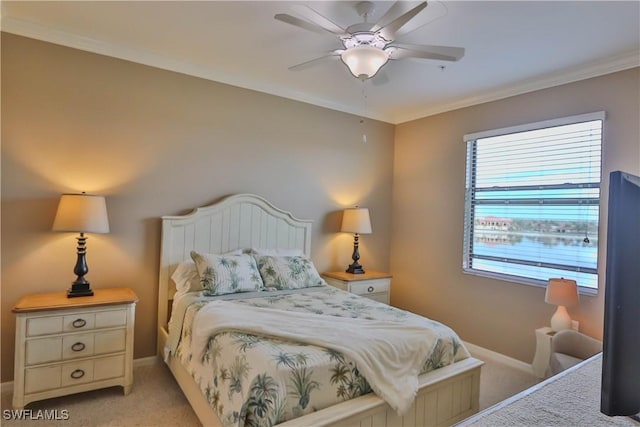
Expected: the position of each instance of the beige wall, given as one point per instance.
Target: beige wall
(158, 143)
(428, 203)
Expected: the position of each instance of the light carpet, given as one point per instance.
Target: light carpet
(156, 400)
(569, 399)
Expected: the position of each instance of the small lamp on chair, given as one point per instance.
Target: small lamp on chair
(356, 220)
(83, 213)
(563, 293)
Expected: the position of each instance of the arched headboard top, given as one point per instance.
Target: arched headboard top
(235, 222)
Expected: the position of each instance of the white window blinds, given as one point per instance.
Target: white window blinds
(532, 201)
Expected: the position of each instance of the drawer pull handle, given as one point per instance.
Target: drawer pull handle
(370, 289)
(79, 323)
(78, 373)
(79, 346)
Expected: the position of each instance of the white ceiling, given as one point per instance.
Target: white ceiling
(512, 47)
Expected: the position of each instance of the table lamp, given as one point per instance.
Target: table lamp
(356, 220)
(563, 293)
(83, 213)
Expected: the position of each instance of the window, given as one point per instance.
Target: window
(532, 201)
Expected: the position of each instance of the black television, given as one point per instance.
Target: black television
(620, 390)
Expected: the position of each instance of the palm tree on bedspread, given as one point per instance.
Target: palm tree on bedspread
(263, 407)
(301, 383)
(350, 383)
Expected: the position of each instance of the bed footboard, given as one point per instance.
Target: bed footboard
(445, 396)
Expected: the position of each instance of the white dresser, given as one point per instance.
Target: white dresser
(71, 345)
(374, 285)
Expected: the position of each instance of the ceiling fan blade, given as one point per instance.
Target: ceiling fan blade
(440, 53)
(313, 62)
(388, 32)
(299, 23)
(396, 9)
(319, 20)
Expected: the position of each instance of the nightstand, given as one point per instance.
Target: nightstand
(372, 284)
(71, 345)
(543, 351)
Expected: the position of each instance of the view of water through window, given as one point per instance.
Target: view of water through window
(533, 203)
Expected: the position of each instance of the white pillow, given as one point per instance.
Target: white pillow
(227, 274)
(186, 277)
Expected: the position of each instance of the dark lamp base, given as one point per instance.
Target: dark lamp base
(355, 269)
(79, 290)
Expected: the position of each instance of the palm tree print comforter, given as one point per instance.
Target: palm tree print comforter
(252, 380)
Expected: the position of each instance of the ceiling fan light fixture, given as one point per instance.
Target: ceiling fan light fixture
(364, 61)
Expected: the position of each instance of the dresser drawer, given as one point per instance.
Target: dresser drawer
(364, 287)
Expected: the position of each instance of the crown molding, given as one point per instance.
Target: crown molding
(39, 32)
(609, 65)
(47, 34)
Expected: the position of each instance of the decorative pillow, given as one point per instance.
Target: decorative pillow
(227, 274)
(186, 275)
(288, 272)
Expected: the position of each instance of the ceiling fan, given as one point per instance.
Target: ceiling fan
(368, 46)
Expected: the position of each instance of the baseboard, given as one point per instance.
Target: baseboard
(483, 353)
(7, 387)
(145, 361)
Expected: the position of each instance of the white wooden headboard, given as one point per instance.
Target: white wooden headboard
(235, 222)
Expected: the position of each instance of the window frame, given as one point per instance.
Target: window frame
(469, 210)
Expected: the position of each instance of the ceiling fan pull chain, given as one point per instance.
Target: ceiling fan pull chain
(364, 109)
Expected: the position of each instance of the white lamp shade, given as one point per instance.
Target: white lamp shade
(364, 61)
(562, 292)
(356, 220)
(81, 213)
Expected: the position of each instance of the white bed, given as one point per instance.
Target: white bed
(446, 395)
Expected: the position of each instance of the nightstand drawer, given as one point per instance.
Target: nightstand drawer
(72, 373)
(43, 350)
(364, 287)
